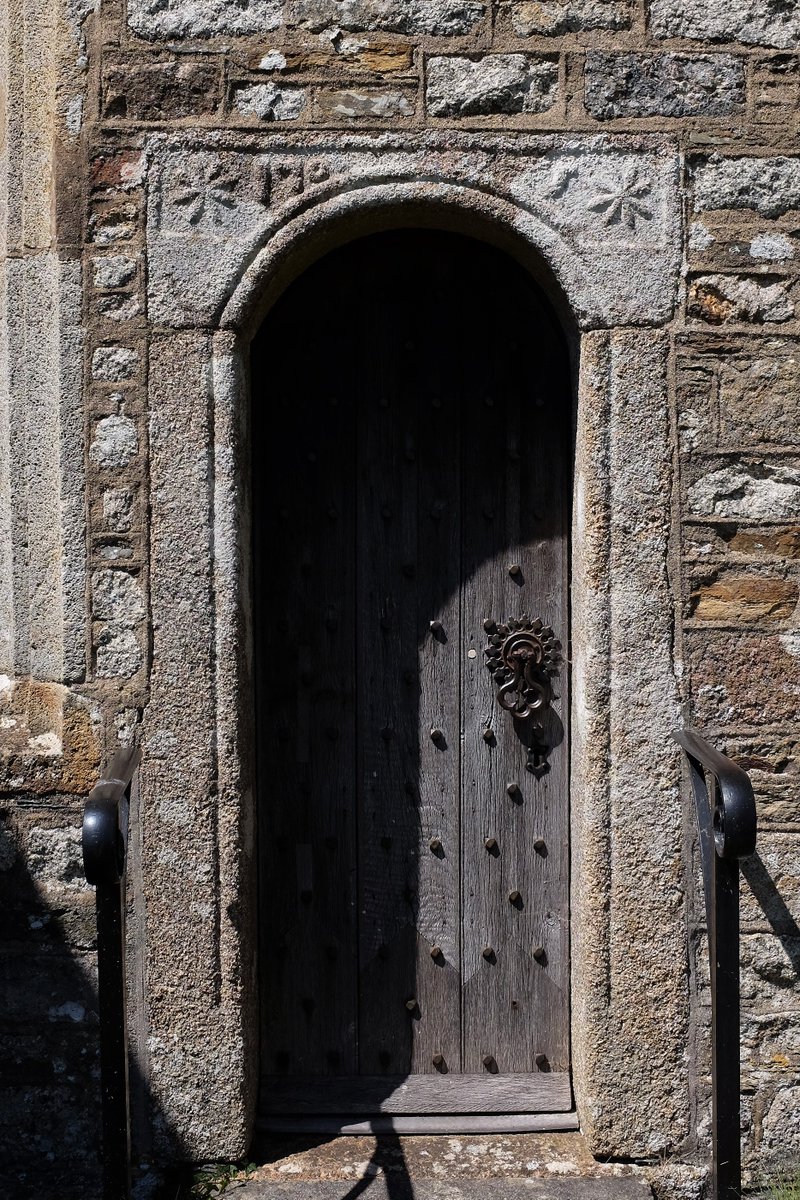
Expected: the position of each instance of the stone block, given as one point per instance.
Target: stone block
(663, 85)
(114, 364)
(735, 393)
(742, 542)
(117, 596)
(115, 441)
(380, 103)
(551, 17)
(118, 509)
(113, 270)
(717, 299)
(757, 491)
(269, 101)
(603, 216)
(780, 1129)
(46, 1129)
(770, 894)
(776, 90)
(157, 19)
(438, 18)
(753, 22)
(55, 989)
(770, 186)
(771, 972)
(117, 308)
(118, 653)
(160, 90)
(495, 83)
(120, 171)
(111, 224)
(743, 678)
(118, 606)
(743, 599)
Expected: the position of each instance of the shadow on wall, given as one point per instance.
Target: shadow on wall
(50, 1116)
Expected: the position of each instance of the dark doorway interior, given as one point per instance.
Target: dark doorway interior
(411, 434)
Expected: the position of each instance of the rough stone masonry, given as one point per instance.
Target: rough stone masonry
(167, 166)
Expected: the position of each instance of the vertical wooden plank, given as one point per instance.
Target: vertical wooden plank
(304, 548)
(409, 586)
(388, 766)
(514, 1006)
(440, 386)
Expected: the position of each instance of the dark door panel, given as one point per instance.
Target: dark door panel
(411, 417)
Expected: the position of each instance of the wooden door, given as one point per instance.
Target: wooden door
(411, 418)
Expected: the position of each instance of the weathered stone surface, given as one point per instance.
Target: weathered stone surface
(440, 18)
(495, 83)
(118, 509)
(739, 392)
(568, 16)
(118, 308)
(373, 102)
(770, 898)
(117, 596)
(769, 973)
(269, 101)
(771, 247)
(717, 299)
(625, 692)
(118, 605)
(114, 364)
(758, 22)
(113, 270)
(668, 85)
(115, 442)
(160, 91)
(743, 598)
(771, 186)
(780, 1128)
(157, 19)
(433, 1189)
(561, 1158)
(765, 491)
(604, 219)
(743, 678)
(54, 857)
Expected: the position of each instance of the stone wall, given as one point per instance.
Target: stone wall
(167, 163)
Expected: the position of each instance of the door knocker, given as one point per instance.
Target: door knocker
(523, 656)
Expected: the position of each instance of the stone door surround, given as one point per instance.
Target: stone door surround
(231, 219)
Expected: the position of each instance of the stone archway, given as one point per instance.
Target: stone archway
(223, 225)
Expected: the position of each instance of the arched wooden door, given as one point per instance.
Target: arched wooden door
(411, 432)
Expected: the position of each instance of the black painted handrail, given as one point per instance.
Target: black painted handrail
(726, 817)
(104, 842)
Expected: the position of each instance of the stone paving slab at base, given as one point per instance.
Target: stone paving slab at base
(532, 1166)
(383, 1187)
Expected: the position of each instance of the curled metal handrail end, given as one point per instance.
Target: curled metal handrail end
(104, 834)
(734, 819)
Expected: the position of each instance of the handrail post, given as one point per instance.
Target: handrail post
(726, 818)
(104, 840)
(110, 907)
(723, 946)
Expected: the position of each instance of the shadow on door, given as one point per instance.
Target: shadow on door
(411, 465)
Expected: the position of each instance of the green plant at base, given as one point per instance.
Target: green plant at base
(212, 1179)
(782, 1185)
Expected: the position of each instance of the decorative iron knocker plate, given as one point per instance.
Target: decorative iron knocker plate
(524, 655)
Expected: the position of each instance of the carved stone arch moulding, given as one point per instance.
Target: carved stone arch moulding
(603, 212)
(224, 218)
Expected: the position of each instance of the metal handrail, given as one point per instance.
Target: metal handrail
(726, 817)
(105, 842)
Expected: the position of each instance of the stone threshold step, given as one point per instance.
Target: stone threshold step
(397, 1186)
